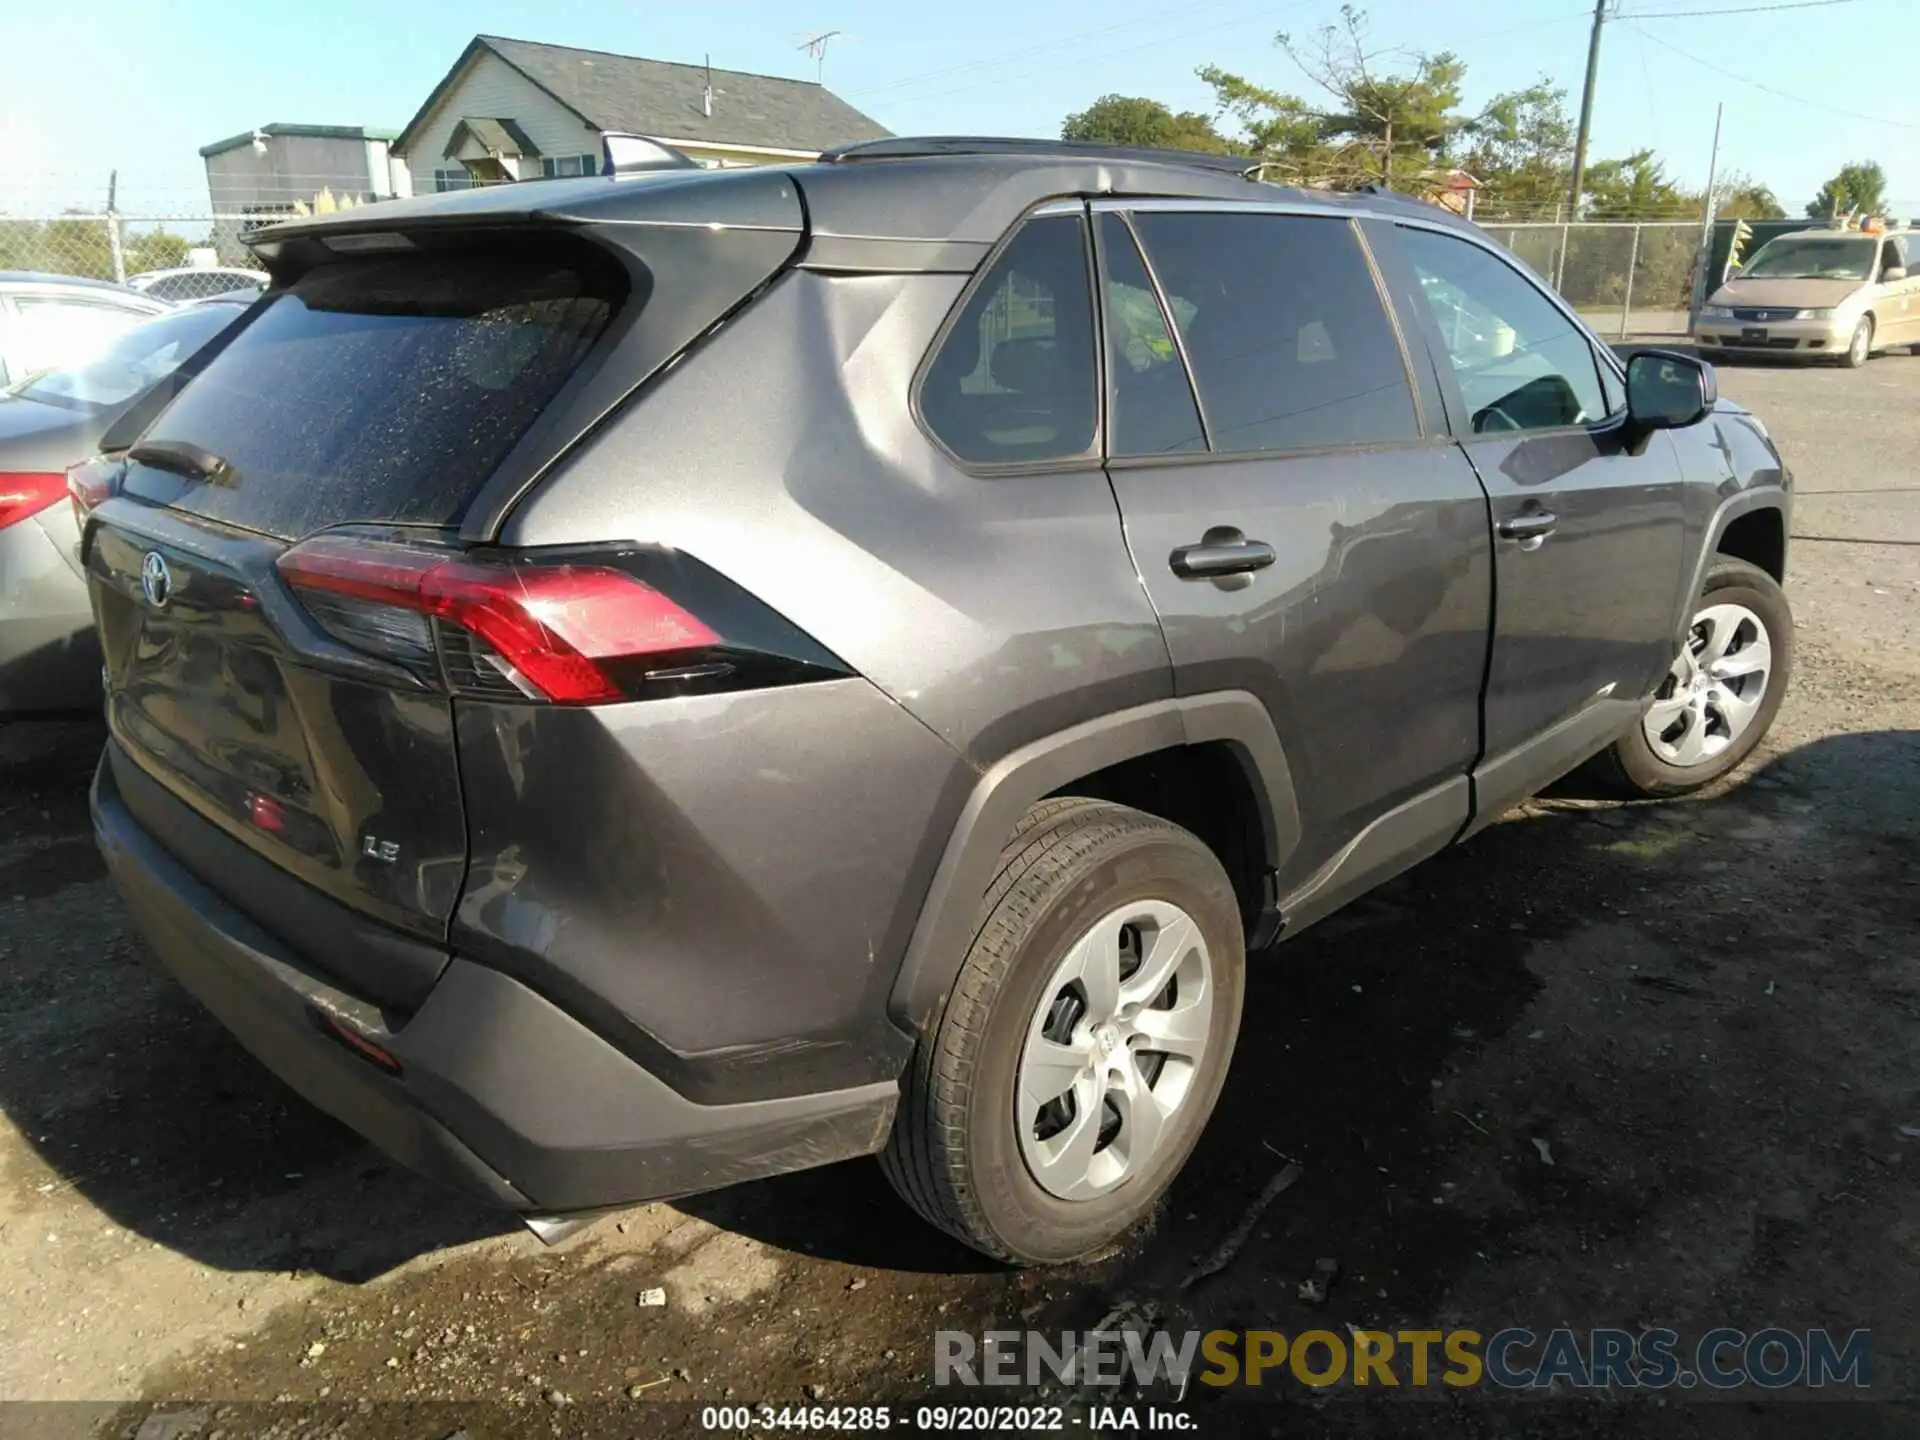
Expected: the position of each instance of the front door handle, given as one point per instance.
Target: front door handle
(1529, 525)
(1218, 555)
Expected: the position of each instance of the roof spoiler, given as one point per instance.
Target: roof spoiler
(624, 154)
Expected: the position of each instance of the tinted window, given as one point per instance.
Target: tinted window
(382, 390)
(1281, 319)
(1150, 401)
(1014, 379)
(1520, 362)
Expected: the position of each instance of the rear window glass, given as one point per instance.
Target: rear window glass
(380, 390)
(1290, 343)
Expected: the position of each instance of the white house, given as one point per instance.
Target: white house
(518, 110)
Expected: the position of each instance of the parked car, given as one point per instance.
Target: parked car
(198, 282)
(1819, 295)
(47, 321)
(49, 653)
(619, 687)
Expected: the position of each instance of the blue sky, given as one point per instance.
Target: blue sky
(92, 85)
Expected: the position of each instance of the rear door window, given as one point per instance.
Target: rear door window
(1014, 380)
(381, 390)
(1290, 343)
(1149, 396)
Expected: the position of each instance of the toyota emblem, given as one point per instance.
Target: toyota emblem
(156, 580)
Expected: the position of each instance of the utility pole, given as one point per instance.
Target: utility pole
(1711, 207)
(1586, 110)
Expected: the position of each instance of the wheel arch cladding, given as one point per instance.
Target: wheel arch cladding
(1227, 726)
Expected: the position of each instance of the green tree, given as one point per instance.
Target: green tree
(1744, 198)
(156, 250)
(1636, 188)
(1410, 114)
(1858, 188)
(1276, 127)
(75, 247)
(1133, 120)
(1520, 149)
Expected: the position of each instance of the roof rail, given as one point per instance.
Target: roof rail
(925, 147)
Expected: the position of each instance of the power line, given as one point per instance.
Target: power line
(1107, 54)
(1078, 38)
(1777, 94)
(1735, 10)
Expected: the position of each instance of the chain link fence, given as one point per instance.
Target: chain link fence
(116, 247)
(1624, 277)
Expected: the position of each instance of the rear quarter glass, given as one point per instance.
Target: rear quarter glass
(384, 389)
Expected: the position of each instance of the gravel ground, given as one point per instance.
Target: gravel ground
(1703, 1011)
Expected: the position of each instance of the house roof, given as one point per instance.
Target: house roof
(309, 132)
(664, 99)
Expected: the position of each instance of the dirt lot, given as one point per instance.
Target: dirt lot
(1704, 1012)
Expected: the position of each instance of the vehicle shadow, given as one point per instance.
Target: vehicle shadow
(130, 1095)
(133, 1097)
(1352, 1030)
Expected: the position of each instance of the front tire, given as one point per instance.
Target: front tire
(1721, 695)
(1860, 347)
(1084, 1043)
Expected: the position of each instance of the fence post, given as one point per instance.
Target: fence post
(113, 228)
(1560, 261)
(1626, 305)
(113, 244)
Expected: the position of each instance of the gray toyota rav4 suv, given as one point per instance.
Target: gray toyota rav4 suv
(620, 686)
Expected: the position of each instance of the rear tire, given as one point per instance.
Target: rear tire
(1860, 347)
(1037, 1178)
(1740, 647)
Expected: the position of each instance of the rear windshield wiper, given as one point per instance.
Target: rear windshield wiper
(183, 457)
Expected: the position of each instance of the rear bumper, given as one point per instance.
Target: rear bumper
(500, 1094)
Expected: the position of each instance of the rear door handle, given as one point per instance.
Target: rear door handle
(1529, 525)
(1214, 557)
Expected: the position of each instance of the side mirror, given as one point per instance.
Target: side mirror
(1669, 391)
(1893, 273)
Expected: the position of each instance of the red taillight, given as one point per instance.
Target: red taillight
(90, 482)
(266, 813)
(27, 494)
(553, 627)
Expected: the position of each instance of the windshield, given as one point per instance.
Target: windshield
(130, 362)
(1812, 258)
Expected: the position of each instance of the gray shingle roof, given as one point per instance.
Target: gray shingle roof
(663, 99)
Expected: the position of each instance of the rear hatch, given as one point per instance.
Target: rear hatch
(291, 571)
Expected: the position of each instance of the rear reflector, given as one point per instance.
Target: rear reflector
(27, 494)
(552, 630)
(333, 1026)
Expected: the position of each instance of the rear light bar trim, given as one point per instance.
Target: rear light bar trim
(569, 631)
